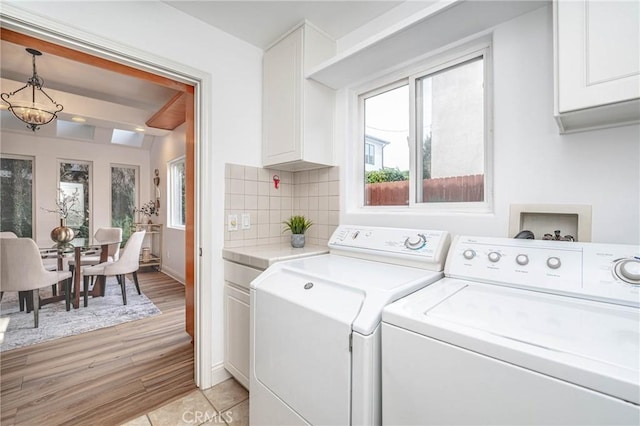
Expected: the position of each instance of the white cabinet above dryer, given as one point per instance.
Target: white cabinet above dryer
(597, 63)
(298, 113)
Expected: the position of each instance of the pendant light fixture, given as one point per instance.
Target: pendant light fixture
(32, 106)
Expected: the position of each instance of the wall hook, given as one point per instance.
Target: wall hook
(276, 181)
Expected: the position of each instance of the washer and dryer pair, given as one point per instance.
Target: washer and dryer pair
(519, 332)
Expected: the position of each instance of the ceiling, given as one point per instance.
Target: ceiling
(262, 22)
(112, 100)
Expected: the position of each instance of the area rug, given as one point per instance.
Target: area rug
(16, 327)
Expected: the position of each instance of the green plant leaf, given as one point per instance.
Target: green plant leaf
(297, 224)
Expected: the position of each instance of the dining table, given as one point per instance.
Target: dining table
(76, 248)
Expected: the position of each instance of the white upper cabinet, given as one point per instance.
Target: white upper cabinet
(297, 113)
(597, 63)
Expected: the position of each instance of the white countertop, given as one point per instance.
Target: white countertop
(263, 256)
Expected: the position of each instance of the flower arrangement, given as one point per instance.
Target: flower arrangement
(147, 209)
(65, 203)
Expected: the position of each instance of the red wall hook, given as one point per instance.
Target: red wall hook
(276, 181)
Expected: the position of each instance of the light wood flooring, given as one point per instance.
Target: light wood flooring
(107, 376)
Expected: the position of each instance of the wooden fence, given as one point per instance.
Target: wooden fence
(450, 189)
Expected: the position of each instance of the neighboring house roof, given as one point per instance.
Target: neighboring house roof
(376, 141)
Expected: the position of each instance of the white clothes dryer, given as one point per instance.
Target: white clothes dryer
(519, 332)
(315, 324)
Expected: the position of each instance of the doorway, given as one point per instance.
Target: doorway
(190, 87)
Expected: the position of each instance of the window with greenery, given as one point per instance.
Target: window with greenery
(75, 176)
(177, 195)
(435, 121)
(16, 195)
(124, 196)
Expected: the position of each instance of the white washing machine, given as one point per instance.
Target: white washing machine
(519, 332)
(315, 324)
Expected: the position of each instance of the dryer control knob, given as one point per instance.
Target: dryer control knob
(494, 256)
(469, 254)
(522, 259)
(554, 262)
(628, 270)
(415, 242)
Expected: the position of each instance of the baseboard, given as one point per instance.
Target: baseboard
(219, 374)
(173, 274)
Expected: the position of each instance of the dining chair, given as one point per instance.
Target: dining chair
(22, 295)
(93, 258)
(128, 263)
(21, 269)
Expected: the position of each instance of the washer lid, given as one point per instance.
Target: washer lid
(378, 283)
(596, 345)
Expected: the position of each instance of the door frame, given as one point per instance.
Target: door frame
(42, 28)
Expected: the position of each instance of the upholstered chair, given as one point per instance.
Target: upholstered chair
(23, 295)
(21, 269)
(106, 235)
(128, 263)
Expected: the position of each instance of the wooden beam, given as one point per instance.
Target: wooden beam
(85, 58)
(171, 115)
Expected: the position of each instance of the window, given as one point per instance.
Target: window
(124, 196)
(369, 154)
(75, 177)
(434, 125)
(176, 188)
(16, 195)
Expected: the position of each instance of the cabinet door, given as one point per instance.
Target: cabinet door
(282, 102)
(598, 53)
(236, 359)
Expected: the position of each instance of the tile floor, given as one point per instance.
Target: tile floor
(224, 404)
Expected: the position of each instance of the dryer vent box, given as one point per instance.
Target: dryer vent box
(570, 219)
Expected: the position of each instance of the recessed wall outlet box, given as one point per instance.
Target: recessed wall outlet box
(246, 221)
(569, 219)
(232, 222)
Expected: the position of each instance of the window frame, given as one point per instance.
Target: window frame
(89, 205)
(136, 168)
(408, 75)
(369, 158)
(171, 193)
(34, 206)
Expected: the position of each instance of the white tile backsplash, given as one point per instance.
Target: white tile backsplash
(312, 193)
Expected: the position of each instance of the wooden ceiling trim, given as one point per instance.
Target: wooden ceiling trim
(172, 114)
(85, 58)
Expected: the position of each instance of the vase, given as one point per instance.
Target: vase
(297, 240)
(62, 234)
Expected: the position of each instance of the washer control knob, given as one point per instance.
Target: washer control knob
(554, 262)
(415, 242)
(628, 270)
(494, 256)
(522, 259)
(469, 254)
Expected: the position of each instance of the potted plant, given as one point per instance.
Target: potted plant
(297, 225)
(147, 210)
(64, 209)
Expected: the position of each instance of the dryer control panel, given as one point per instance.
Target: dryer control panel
(411, 247)
(608, 272)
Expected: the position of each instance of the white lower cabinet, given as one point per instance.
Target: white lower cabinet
(236, 318)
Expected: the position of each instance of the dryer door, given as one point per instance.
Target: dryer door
(301, 344)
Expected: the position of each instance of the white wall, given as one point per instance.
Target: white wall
(532, 162)
(48, 150)
(173, 249)
(234, 119)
